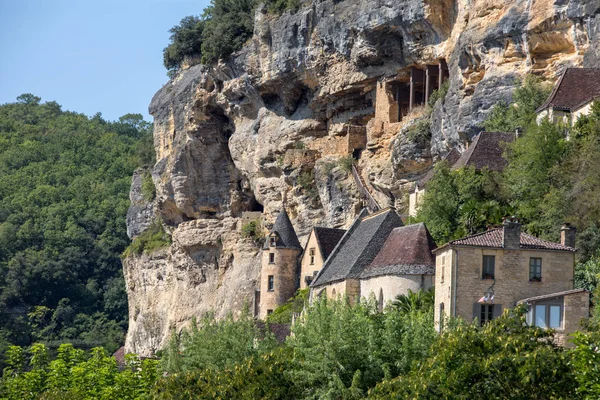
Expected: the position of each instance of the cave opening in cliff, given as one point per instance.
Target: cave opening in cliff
(256, 206)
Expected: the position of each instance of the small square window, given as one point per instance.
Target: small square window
(271, 283)
(535, 269)
(271, 258)
(489, 267)
(269, 312)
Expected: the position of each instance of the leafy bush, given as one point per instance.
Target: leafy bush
(253, 229)
(420, 131)
(346, 163)
(148, 188)
(439, 94)
(306, 180)
(74, 375)
(299, 145)
(283, 314)
(152, 239)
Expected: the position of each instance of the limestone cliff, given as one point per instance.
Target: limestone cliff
(308, 89)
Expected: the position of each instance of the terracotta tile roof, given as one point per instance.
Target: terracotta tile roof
(486, 151)
(328, 238)
(406, 251)
(451, 158)
(358, 247)
(551, 295)
(493, 238)
(287, 235)
(575, 88)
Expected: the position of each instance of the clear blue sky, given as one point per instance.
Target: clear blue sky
(89, 56)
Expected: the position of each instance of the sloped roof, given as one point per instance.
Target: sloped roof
(328, 238)
(407, 251)
(451, 158)
(486, 151)
(358, 247)
(576, 87)
(493, 238)
(286, 234)
(552, 295)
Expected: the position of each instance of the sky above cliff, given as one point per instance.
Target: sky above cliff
(89, 56)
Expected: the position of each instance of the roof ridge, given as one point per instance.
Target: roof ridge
(548, 101)
(475, 235)
(375, 214)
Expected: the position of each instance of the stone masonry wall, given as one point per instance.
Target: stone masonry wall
(284, 271)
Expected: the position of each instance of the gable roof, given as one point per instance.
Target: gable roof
(358, 247)
(406, 251)
(576, 87)
(451, 158)
(287, 238)
(493, 238)
(327, 239)
(486, 151)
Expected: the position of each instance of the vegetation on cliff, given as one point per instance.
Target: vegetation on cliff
(222, 28)
(63, 199)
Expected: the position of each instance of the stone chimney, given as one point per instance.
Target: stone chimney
(511, 233)
(567, 235)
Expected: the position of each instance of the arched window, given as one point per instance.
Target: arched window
(380, 302)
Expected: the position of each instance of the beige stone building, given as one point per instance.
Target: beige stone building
(479, 276)
(485, 152)
(279, 271)
(378, 256)
(319, 246)
(572, 97)
(405, 262)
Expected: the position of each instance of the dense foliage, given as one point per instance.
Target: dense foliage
(337, 351)
(73, 374)
(548, 180)
(223, 27)
(63, 199)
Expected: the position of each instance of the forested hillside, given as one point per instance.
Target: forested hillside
(64, 184)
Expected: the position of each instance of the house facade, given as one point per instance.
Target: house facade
(319, 246)
(485, 152)
(572, 96)
(479, 276)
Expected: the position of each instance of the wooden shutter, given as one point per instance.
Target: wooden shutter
(497, 310)
(477, 311)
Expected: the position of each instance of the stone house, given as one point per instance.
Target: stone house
(405, 262)
(340, 274)
(572, 97)
(485, 151)
(378, 256)
(319, 246)
(279, 267)
(479, 276)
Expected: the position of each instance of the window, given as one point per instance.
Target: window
(545, 316)
(271, 283)
(486, 314)
(269, 312)
(273, 241)
(489, 267)
(441, 316)
(443, 267)
(311, 253)
(271, 258)
(535, 269)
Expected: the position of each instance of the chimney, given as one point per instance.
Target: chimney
(511, 233)
(567, 235)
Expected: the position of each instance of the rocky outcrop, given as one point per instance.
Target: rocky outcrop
(224, 134)
(141, 210)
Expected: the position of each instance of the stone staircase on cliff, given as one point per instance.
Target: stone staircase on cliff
(369, 202)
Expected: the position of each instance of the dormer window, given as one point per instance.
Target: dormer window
(273, 240)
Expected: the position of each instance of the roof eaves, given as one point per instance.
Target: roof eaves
(548, 102)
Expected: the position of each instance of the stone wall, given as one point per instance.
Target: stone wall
(392, 286)
(300, 158)
(444, 272)
(284, 271)
(511, 276)
(306, 268)
(576, 309)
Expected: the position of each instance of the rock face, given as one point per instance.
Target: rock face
(278, 119)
